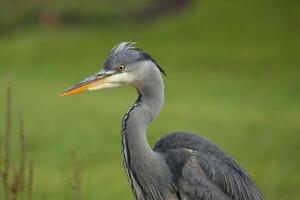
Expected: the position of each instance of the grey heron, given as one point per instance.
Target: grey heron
(182, 165)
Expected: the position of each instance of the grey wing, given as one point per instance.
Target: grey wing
(194, 184)
(206, 172)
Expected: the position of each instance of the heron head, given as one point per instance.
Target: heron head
(125, 64)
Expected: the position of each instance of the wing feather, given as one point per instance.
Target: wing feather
(208, 172)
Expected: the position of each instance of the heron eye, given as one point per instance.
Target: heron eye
(121, 67)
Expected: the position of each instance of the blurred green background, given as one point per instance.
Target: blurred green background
(233, 76)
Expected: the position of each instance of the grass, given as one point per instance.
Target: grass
(14, 176)
(233, 76)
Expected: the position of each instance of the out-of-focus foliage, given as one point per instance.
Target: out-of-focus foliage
(20, 13)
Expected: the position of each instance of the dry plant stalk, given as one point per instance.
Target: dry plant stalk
(44, 197)
(15, 186)
(30, 182)
(22, 157)
(6, 151)
(21, 186)
(76, 182)
(18, 182)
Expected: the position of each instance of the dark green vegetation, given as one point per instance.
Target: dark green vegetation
(233, 76)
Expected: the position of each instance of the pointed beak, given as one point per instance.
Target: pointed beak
(87, 84)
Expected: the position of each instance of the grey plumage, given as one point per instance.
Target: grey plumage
(219, 172)
(126, 53)
(182, 165)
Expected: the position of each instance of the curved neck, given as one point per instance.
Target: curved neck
(136, 121)
(139, 158)
(146, 109)
(140, 114)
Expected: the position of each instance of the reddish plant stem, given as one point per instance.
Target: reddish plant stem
(15, 186)
(23, 155)
(30, 182)
(6, 151)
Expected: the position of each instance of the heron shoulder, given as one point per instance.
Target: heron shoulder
(194, 161)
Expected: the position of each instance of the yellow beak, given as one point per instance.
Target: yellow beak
(85, 85)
